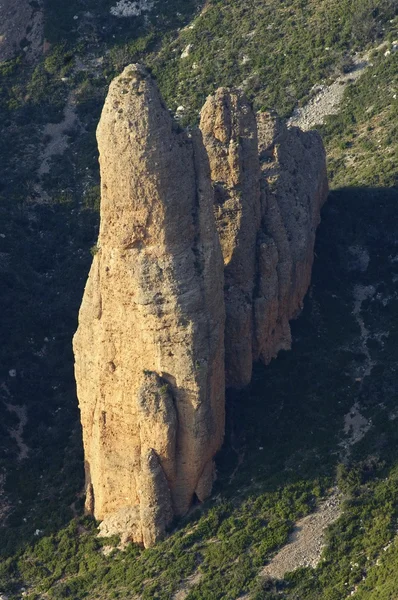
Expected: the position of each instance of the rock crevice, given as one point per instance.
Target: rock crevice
(204, 255)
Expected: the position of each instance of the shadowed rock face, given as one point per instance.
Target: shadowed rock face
(239, 199)
(294, 188)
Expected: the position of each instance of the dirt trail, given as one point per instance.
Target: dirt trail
(328, 99)
(57, 134)
(17, 432)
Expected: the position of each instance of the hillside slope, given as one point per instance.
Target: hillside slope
(286, 440)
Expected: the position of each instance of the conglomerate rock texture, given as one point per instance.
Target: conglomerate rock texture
(294, 188)
(270, 183)
(200, 234)
(228, 124)
(150, 344)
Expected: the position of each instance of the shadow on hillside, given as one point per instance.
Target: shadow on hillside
(285, 426)
(46, 250)
(288, 424)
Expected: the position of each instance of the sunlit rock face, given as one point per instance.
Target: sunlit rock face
(150, 344)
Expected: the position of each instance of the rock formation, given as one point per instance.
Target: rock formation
(270, 183)
(294, 188)
(150, 344)
(238, 199)
(228, 124)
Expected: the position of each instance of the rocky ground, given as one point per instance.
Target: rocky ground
(328, 98)
(305, 544)
(21, 26)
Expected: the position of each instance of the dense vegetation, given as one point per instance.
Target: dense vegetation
(287, 427)
(276, 51)
(362, 139)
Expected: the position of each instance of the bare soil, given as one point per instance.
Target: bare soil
(187, 585)
(57, 136)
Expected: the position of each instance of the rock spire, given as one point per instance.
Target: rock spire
(150, 344)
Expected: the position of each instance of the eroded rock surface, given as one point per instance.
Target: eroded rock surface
(228, 124)
(294, 189)
(270, 183)
(150, 344)
(236, 201)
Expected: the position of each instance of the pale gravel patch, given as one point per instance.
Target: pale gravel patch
(187, 51)
(362, 293)
(355, 425)
(107, 550)
(305, 544)
(57, 134)
(328, 99)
